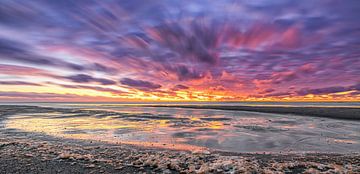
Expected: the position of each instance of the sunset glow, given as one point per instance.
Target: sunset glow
(180, 51)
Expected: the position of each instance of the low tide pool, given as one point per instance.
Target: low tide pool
(193, 129)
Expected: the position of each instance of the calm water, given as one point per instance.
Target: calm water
(179, 128)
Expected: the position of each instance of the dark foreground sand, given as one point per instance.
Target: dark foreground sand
(329, 112)
(18, 155)
(24, 152)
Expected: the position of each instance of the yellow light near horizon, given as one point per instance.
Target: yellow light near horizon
(345, 92)
(186, 95)
(55, 90)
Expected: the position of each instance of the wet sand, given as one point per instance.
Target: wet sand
(52, 155)
(189, 129)
(30, 152)
(329, 112)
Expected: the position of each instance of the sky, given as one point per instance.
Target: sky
(201, 50)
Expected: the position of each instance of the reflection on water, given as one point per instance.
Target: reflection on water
(190, 129)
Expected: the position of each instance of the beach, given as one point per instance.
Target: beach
(27, 150)
(53, 156)
(178, 87)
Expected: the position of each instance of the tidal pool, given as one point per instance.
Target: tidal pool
(194, 129)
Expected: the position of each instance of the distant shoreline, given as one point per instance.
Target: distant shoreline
(328, 112)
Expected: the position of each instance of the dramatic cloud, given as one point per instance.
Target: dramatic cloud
(214, 50)
(328, 90)
(22, 70)
(278, 94)
(139, 84)
(18, 83)
(267, 91)
(14, 51)
(184, 73)
(96, 88)
(179, 87)
(33, 95)
(83, 78)
(20, 52)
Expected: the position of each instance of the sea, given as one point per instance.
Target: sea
(142, 124)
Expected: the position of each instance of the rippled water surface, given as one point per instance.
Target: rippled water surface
(178, 128)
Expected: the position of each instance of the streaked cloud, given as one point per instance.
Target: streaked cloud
(83, 78)
(177, 50)
(18, 83)
(139, 84)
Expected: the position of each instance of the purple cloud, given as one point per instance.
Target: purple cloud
(83, 78)
(96, 88)
(195, 43)
(311, 45)
(179, 87)
(266, 91)
(18, 83)
(328, 90)
(35, 95)
(184, 73)
(21, 52)
(278, 94)
(139, 84)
